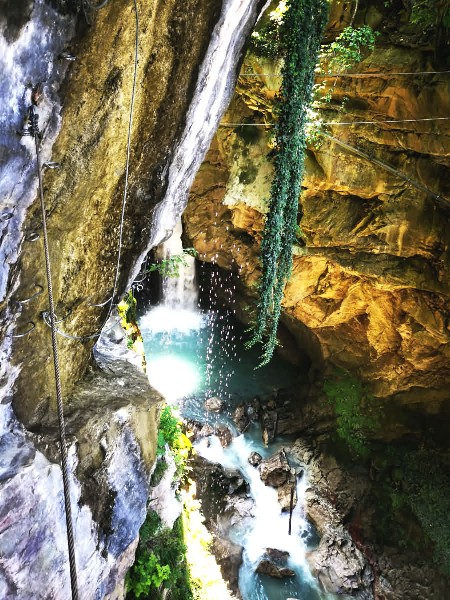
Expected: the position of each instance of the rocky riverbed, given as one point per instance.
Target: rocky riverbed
(336, 496)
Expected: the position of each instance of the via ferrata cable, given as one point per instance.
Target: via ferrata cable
(34, 130)
(127, 164)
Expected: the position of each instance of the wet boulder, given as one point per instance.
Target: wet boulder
(285, 492)
(214, 404)
(273, 563)
(240, 417)
(255, 459)
(269, 420)
(340, 566)
(275, 471)
(225, 436)
(199, 430)
(247, 413)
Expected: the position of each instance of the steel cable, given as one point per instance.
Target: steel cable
(59, 401)
(127, 165)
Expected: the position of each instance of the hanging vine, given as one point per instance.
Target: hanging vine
(303, 25)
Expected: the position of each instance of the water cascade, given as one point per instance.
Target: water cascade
(194, 354)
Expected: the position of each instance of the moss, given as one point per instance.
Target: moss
(357, 414)
(249, 175)
(412, 501)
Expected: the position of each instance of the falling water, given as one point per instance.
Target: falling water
(179, 292)
(194, 354)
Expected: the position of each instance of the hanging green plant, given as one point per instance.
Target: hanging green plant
(304, 21)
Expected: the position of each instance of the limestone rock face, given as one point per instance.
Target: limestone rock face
(109, 422)
(337, 502)
(188, 54)
(370, 289)
(341, 568)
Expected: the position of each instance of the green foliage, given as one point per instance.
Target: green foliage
(160, 562)
(267, 40)
(127, 307)
(170, 432)
(348, 48)
(303, 24)
(356, 414)
(418, 487)
(429, 14)
(170, 267)
(147, 573)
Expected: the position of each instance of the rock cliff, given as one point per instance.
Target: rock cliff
(369, 291)
(77, 64)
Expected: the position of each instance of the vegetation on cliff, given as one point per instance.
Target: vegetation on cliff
(175, 562)
(356, 414)
(303, 24)
(160, 562)
(412, 500)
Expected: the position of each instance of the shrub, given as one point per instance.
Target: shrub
(170, 267)
(267, 40)
(348, 48)
(160, 562)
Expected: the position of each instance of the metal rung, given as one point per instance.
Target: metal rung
(51, 164)
(100, 304)
(67, 56)
(7, 215)
(29, 330)
(35, 295)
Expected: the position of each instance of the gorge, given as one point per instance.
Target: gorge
(365, 318)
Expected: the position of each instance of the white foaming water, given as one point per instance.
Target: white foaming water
(164, 319)
(269, 527)
(181, 291)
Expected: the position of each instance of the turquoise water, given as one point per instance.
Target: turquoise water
(192, 356)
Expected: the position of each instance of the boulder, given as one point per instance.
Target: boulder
(238, 509)
(240, 417)
(278, 556)
(199, 430)
(269, 419)
(253, 409)
(225, 436)
(275, 471)
(284, 495)
(266, 567)
(340, 566)
(255, 459)
(273, 564)
(214, 404)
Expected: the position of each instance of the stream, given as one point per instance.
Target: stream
(195, 354)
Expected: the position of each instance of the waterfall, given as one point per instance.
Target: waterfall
(179, 292)
(193, 355)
